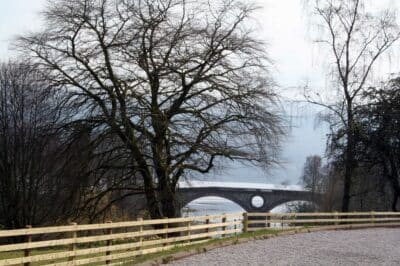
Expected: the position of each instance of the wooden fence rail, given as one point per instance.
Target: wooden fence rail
(109, 243)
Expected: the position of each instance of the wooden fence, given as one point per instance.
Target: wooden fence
(255, 221)
(113, 243)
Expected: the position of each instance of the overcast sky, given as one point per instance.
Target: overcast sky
(285, 28)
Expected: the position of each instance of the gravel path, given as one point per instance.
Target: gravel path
(352, 247)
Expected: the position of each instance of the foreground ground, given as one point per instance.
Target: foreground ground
(355, 247)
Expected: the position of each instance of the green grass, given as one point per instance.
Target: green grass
(166, 256)
(18, 254)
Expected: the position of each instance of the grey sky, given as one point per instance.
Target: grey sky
(17, 17)
(285, 28)
(282, 25)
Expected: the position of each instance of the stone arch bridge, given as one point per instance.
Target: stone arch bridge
(271, 198)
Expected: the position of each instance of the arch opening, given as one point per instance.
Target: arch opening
(210, 205)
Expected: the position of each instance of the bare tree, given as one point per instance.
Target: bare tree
(181, 83)
(29, 142)
(313, 177)
(356, 39)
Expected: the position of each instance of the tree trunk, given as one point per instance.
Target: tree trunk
(149, 189)
(151, 198)
(394, 180)
(346, 188)
(348, 161)
(396, 196)
(152, 203)
(169, 205)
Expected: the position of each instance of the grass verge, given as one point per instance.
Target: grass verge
(184, 251)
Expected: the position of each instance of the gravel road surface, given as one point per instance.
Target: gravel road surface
(351, 247)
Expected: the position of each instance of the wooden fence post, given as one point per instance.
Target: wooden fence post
(267, 218)
(28, 239)
(140, 232)
(224, 226)
(74, 235)
(235, 226)
(245, 222)
(372, 217)
(336, 218)
(188, 230)
(166, 228)
(207, 223)
(109, 242)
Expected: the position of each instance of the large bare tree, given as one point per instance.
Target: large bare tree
(181, 83)
(356, 39)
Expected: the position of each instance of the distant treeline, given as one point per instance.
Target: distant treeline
(53, 167)
(376, 180)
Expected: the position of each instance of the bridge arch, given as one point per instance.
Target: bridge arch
(210, 205)
(185, 200)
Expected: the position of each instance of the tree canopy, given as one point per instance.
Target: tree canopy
(180, 83)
